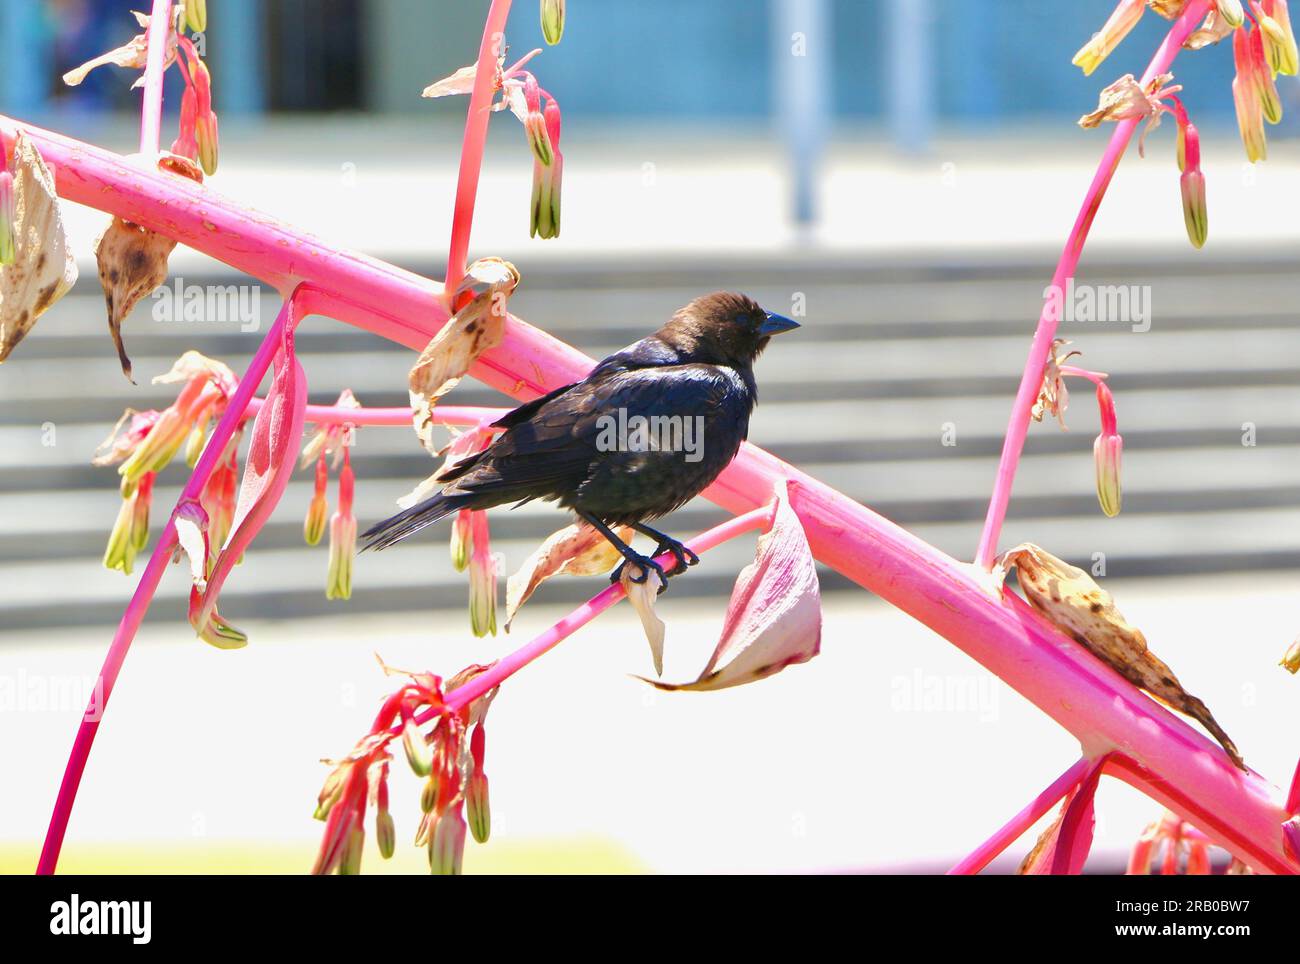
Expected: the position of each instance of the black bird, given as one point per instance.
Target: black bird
(583, 445)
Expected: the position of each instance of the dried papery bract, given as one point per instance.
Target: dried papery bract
(42, 267)
(642, 596)
(774, 617)
(477, 326)
(575, 550)
(1073, 602)
(132, 55)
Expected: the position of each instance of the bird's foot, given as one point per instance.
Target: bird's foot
(684, 556)
(645, 564)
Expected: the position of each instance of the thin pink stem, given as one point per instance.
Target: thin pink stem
(143, 596)
(507, 666)
(475, 140)
(1032, 379)
(339, 414)
(154, 72)
(985, 853)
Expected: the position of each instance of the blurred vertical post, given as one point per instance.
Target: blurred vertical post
(238, 30)
(24, 50)
(801, 62)
(910, 98)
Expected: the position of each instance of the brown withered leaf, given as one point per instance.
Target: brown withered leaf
(576, 550)
(1073, 602)
(132, 263)
(43, 268)
(475, 328)
(132, 259)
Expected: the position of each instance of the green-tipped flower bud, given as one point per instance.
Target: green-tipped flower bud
(1195, 214)
(418, 752)
(447, 845)
(385, 834)
(7, 218)
(552, 20)
(196, 15)
(1107, 452)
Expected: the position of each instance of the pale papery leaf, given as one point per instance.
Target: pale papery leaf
(272, 452)
(575, 550)
(774, 618)
(192, 539)
(134, 54)
(642, 596)
(460, 82)
(44, 268)
(474, 329)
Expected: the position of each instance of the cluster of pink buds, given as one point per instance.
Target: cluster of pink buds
(449, 758)
(543, 128)
(329, 447)
(1263, 46)
(198, 130)
(142, 444)
(1170, 846)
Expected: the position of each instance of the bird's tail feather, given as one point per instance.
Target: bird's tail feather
(410, 521)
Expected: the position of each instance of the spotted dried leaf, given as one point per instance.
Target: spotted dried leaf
(132, 263)
(478, 326)
(576, 550)
(1074, 603)
(43, 267)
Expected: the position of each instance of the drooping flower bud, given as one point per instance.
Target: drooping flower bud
(1231, 12)
(552, 20)
(343, 538)
(205, 133)
(385, 834)
(1195, 213)
(1279, 42)
(196, 15)
(547, 181)
(141, 502)
(1270, 102)
(1108, 451)
(1246, 98)
(461, 539)
(350, 865)
(418, 752)
(476, 791)
(318, 509)
(447, 845)
(539, 141)
(7, 218)
(1121, 22)
(482, 579)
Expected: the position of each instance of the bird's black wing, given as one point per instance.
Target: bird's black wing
(556, 449)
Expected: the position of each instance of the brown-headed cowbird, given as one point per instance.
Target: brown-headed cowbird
(649, 429)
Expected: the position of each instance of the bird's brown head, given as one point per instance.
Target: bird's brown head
(724, 327)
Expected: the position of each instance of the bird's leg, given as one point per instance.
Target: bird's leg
(629, 554)
(668, 544)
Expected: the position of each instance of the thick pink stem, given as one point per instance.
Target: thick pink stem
(1014, 828)
(154, 72)
(1032, 380)
(475, 139)
(1179, 766)
(142, 597)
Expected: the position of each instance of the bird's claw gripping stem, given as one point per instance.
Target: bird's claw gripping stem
(645, 564)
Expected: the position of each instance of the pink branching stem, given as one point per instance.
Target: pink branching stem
(985, 853)
(154, 72)
(475, 139)
(1032, 380)
(143, 596)
(507, 666)
(1179, 767)
(339, 414)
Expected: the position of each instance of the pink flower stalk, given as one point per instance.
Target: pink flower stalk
(159, 34)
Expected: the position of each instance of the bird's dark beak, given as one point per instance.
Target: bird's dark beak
(776, 324)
